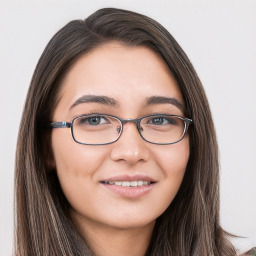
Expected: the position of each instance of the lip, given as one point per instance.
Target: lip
(130, 192)
(130, 178)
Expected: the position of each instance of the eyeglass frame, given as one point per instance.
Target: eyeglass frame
(137, 121)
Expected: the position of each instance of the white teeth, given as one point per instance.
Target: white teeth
(140, 183)
(133, 183)
(126, 183)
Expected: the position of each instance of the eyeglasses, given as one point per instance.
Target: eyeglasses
(101, 129)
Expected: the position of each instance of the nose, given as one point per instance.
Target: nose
(130, 147)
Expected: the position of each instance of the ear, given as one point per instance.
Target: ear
(47, 152)
(49, 161)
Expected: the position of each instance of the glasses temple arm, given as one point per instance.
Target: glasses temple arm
(60, 125)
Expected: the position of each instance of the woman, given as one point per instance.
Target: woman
(117, 153)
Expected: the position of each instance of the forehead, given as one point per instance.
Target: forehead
(123, 72)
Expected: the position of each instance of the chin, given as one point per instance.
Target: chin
(130, 222)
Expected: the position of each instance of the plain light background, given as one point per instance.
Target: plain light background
(220, 39)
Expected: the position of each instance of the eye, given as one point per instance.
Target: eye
(93, 120)
(162, 120)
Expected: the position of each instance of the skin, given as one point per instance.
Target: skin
(112, 224)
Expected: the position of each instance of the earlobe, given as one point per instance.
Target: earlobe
(48, 157)
(50, 163)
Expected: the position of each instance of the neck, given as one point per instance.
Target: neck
(110, 241)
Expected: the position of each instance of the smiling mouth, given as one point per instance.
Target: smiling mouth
(135, 183)
(131, 187)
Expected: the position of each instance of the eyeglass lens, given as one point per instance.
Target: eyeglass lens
(102, 129)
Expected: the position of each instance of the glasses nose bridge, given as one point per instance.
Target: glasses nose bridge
(130, 120)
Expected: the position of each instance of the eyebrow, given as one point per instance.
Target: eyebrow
(96, 99)
(105, 100)
(165, 100)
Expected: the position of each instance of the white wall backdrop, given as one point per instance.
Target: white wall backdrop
(219, 37)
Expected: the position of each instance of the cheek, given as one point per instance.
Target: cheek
(76, 164)
(174, 159)
(72, 157)
(173, 162)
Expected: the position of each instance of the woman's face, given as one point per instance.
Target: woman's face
(129, 77)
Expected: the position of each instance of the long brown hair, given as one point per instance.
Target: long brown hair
(190, 226)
